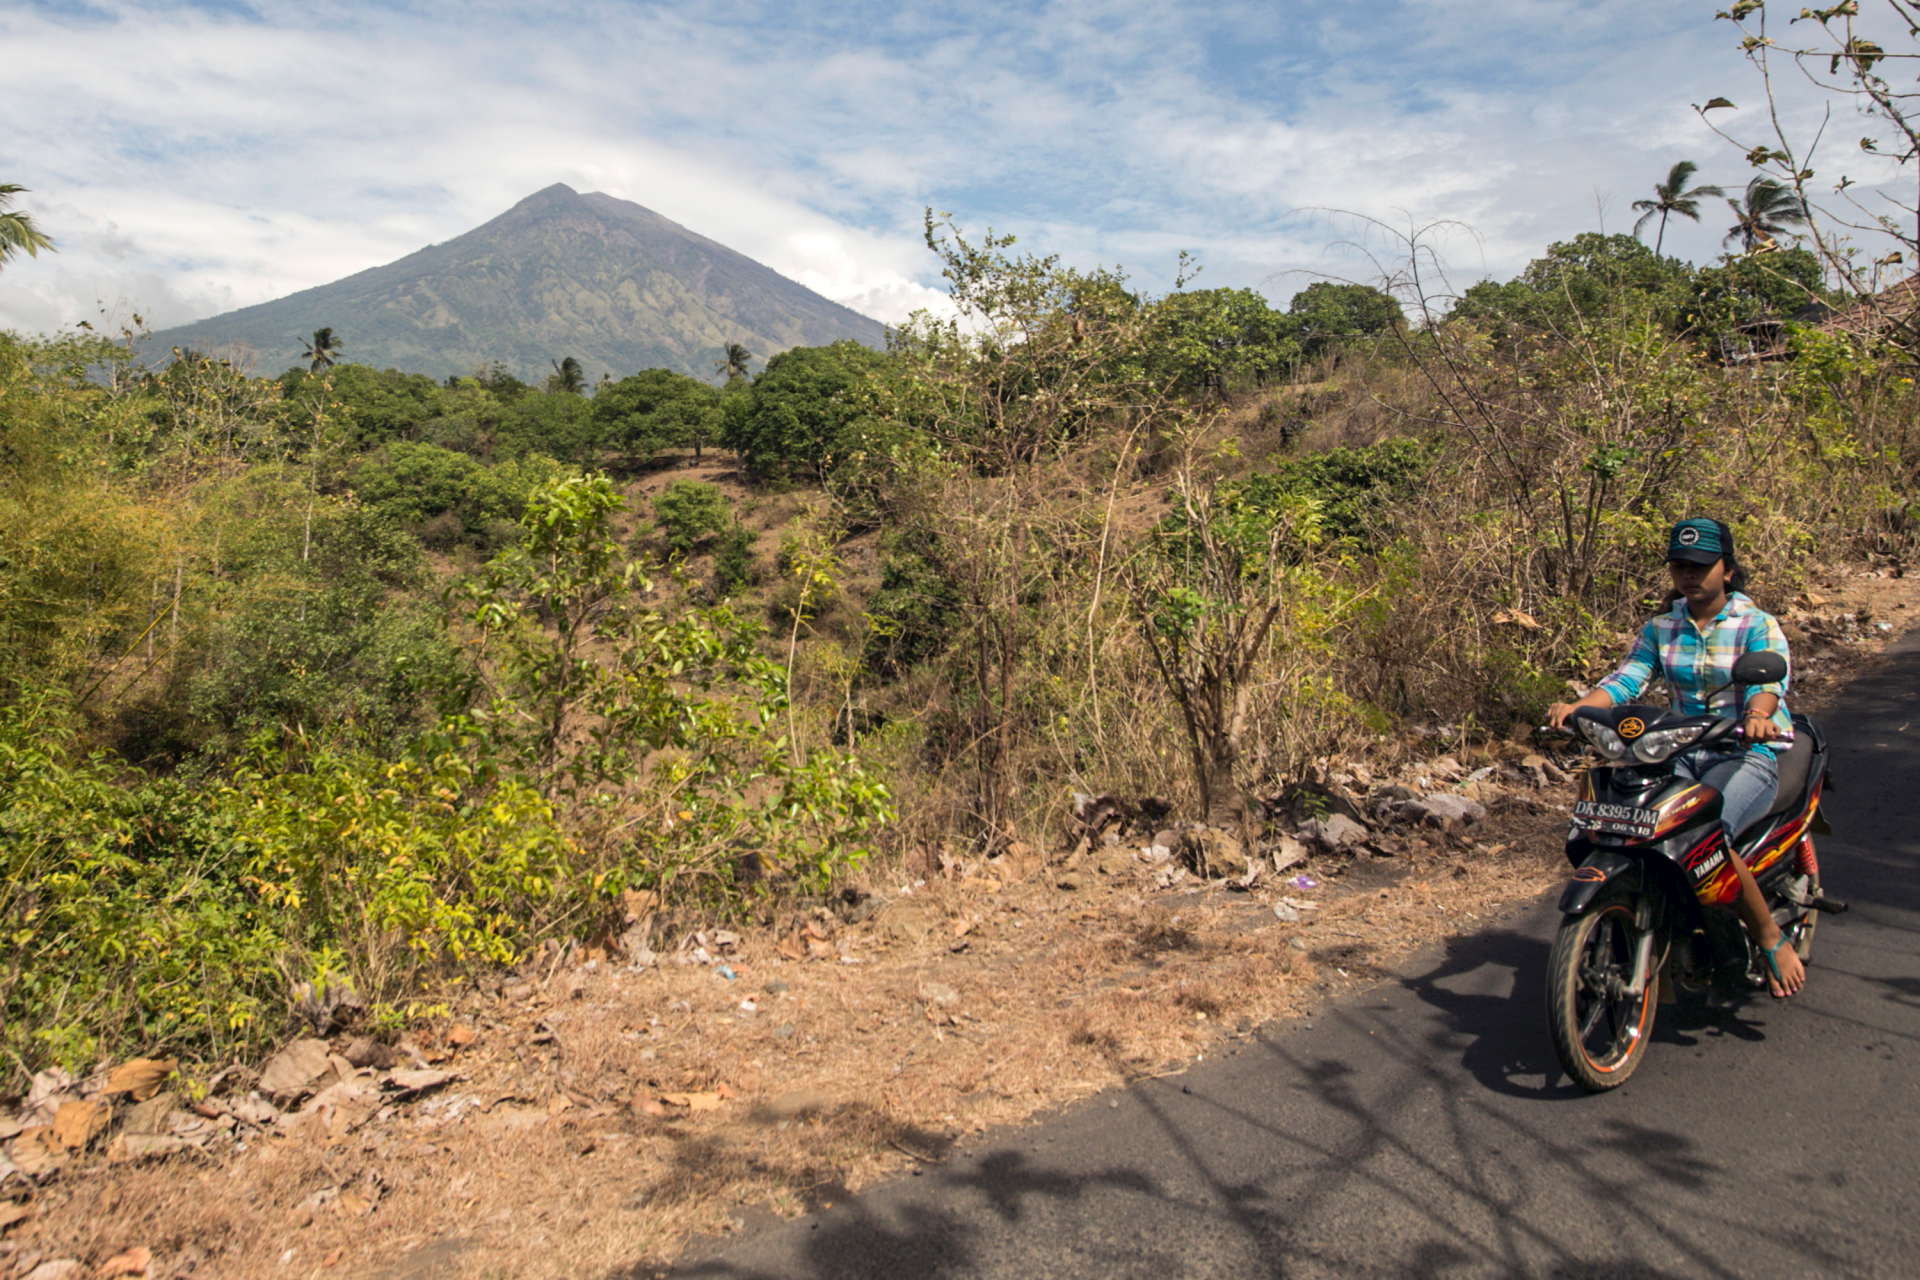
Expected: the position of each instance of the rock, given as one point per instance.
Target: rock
(1334, 833)
(1069, 880)
(255, 1110)
(910, 923)
(783, 1032)
(150, 1116)
(1554, 772)
(411, 1082)
(1297, 942)
(775, 987)
(290, 1074)
(1449, 811)
(365, 1052)
(1113, 862)
(1285, 914)
(1446, 767)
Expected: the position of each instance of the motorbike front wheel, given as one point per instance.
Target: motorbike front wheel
(1600, 1031)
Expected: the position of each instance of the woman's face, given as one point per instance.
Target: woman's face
(1699, 583)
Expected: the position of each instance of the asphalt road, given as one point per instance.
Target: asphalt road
(1423, 1129)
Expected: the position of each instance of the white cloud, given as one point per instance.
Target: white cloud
(194, 161)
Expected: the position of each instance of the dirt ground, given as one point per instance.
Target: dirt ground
(601, 1112)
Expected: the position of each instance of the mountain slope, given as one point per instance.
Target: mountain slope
(560, 274)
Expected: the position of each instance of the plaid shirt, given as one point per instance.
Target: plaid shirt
(1695, 660)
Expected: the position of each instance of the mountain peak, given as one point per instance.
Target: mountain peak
(607, 281)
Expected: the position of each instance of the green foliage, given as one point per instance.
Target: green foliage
(414, 485)
(807, 413)
(688, 511)
(733, 561)
(1581, 281)
(1353, 488)
(380, 404)
(672, 715)
(1742, 289)
(1326, 315)
(557, 424)
(1214, 339)
(916, 612)
(656, 409)
(125, 924)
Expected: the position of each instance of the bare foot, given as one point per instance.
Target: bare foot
(1793, 974)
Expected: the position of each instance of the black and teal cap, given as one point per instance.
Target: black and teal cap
(1697, 541)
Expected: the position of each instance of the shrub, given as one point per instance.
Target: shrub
(806, 413)
(688, 511)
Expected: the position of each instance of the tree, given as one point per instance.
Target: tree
(320, 352)
(1671, 197)
(1327, 312)
(657, 409)
(1210, 337)
(734, 360)
(568, 376)
(807, 413)
(17, 232)
(1578, 281)
(1769, 209)
(688, 511)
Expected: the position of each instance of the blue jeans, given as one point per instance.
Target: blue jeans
(1746, 780)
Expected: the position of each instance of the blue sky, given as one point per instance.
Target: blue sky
(194, 157)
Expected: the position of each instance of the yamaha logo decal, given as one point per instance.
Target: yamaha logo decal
(1632, 727)
(1688, 537)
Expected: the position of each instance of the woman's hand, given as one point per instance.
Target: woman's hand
(1559, 713)
(1759, 728)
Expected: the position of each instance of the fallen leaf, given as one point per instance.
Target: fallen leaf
(11, 1213)
(333, 1258)
(78, 1123)
(1514, 617)
(724, 1090)
(141, 1077)
(692, 1101)
(291, 1072)
(134, 1262)
(961, 928)
(460, 1034)
(791, 948)
(36, 1151)
(645, 1104)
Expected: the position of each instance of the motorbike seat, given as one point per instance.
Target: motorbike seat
(1794, 764)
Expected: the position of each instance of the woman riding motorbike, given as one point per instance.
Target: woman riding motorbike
(1693, 647)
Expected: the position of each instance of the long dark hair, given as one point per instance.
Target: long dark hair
(1736, 572)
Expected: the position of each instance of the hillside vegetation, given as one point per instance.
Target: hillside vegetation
(325, 690)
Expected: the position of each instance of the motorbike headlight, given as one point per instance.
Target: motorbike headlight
(1605, 740)
(1658, 744)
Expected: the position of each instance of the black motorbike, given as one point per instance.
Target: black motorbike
(1653, 882)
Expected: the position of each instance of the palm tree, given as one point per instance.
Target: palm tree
(17, 232)
(1769, 210)
(320, 352)
(568, 376)
(1672, 197)
(734, 361)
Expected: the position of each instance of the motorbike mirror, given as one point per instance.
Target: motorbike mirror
(1766, 667)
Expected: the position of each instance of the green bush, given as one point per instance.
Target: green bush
(688, 511)
(733, 561)
(657, 409)
(807, 413)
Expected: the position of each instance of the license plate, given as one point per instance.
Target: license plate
(1615, 819)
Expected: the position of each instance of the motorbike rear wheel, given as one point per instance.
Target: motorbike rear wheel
(1600, 1031)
